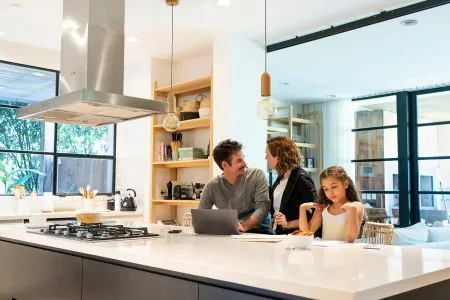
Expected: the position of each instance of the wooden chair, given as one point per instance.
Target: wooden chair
(377, 233)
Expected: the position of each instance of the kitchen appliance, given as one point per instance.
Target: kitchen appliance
(94, 232)
(92, 70)
(129, 202)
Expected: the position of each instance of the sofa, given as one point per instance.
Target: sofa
(423, 236)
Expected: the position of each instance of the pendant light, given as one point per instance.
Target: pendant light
(171, 122)
(265, 108)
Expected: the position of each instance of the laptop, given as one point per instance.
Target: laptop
(215, 221)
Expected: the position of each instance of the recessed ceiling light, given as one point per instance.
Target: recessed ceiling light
(409, 22)
(2, 32)
(15, 5)
(285, 83)
(223, 2)
(331, 96)
(133, 39)
(37, 74)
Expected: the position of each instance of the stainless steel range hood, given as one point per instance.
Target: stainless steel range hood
(92, 65)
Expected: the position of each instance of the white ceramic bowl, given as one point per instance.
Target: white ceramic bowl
(300, 241)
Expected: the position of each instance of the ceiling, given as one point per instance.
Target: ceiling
(38, 23)
(384, 57)
(366, 61)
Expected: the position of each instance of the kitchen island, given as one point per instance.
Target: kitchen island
(188, 266)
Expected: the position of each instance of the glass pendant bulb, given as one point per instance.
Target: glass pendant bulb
(266, 109)
(171, 122)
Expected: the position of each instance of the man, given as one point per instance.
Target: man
(245, 190)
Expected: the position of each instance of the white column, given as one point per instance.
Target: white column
(238, 64)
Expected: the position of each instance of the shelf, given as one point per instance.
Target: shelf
(182, 163)
(176, 202)
(187, 86)
(294, 121)
(306, 145)
(277, 129)
(204, 122)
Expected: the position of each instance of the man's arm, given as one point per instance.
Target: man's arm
(262, 202)
(206, 200)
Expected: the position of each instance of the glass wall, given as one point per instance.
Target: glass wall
(376, 157)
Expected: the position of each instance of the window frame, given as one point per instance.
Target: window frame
(56, 154)
(408, 155)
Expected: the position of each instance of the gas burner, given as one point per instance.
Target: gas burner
(95, 232)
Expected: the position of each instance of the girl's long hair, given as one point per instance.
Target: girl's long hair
(337, 173)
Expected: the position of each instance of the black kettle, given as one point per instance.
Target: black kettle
(129, 203)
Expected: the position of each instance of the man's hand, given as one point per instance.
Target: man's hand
(241, 228)
(280, 219)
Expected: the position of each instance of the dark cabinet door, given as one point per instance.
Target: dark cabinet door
(36, 274)
(102, 281)
(206, 292)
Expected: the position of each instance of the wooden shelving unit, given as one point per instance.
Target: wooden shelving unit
(183, 89)
(287, 123)
(195, 163)
(176, 202)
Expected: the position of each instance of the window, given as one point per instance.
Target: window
(402, 156)
(433, 133)
(376, 156)
(48, 157)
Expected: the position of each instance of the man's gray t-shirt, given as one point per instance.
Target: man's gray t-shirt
(249, 196)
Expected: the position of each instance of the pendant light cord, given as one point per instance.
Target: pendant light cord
(171, 57)
(265, 35)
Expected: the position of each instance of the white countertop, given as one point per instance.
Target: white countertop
(68, 214)
(345, 271)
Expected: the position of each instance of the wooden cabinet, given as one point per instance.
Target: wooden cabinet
(206, 292)
(102, 281)
(196, 133)
(28, 273)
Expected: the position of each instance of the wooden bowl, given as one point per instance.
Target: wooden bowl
(88, 217)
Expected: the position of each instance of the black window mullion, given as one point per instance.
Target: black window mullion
(55, 158)
(403, 141)
(414, 162)
(374, 128)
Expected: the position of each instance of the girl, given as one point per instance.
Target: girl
(338, 209)
(293, 186)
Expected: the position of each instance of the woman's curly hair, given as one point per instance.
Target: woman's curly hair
(287, 153)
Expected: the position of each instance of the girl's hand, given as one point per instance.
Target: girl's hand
(280, 219)
(310, 205)
(349, 206)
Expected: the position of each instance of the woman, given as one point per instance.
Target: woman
(293, 187)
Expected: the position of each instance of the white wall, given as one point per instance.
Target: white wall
(192, 68)
(133, 139)
(28, 55)
(236, 94)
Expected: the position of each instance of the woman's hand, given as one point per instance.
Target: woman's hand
(310, 205)
(280, 219)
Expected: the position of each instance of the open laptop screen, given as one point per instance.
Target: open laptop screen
(215, 221)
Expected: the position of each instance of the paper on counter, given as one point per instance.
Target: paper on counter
(255, 237)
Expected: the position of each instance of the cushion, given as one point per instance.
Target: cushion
(438, 234)
(412, 235)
